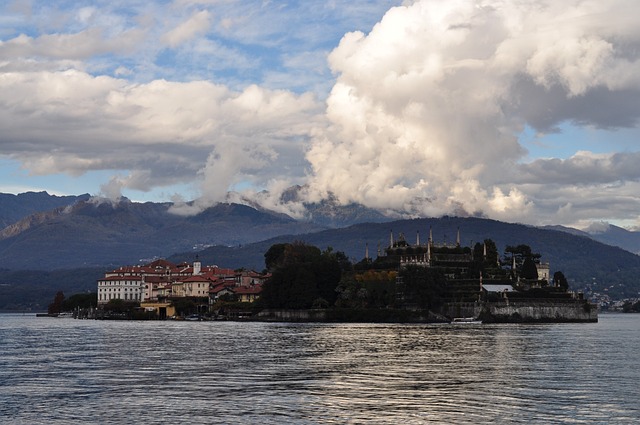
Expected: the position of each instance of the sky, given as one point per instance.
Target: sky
(521, 111)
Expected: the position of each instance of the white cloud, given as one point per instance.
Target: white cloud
(429, 104)
(422, 117)
(163, 131)
(598, 227)
(583, 168)
(67, 47)
(197, 24)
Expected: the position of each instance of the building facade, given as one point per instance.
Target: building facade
(162, 281)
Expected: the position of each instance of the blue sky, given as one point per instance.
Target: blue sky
(522, 111)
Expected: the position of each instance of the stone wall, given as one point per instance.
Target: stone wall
(293, 315)
(578, 311)
(499, 312)
(525, 311)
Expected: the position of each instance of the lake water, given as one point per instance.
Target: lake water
(66, 371)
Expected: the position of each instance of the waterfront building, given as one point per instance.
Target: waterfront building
(127, 288)
(154, 285)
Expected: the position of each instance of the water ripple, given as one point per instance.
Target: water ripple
(67, 371)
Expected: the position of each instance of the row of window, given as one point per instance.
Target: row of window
(117, 289)
(106, 297)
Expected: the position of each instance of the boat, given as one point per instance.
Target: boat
(466, 320)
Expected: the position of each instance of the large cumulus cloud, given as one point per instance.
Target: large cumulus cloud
(166, 132)
(427, 108)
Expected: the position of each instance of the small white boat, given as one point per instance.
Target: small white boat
(466, 320)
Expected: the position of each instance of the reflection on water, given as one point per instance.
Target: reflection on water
(55, 371)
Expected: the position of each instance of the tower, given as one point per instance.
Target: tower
(197, 266)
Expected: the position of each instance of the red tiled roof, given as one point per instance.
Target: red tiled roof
(248, 290)
(196, 278)
(162, 263)
(224, 285)
(222, 272)
(156, 278)
(119, 278)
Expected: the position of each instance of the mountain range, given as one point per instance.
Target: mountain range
(91, 233)
(53, 234)
(14, 208)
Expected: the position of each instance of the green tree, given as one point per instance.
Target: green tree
(185, 306)
(560, 280)
(56, 306)
(368, 289)
(629, 307)
(521, 250)
(301, 274)
(529, 269)
(484, 263)
(492, 252)
(121, 306)
(422, 286)
(343, 260)
(275, 255)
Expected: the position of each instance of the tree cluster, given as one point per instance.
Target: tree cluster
(302, 276)
(630, 307)
(368, 289)
(423, 287)
(60, 303)
(560, 281)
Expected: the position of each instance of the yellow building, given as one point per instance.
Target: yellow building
(162, 309)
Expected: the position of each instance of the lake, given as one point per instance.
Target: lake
(66, 371)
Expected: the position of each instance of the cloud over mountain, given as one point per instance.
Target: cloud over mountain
(428, 107)
(521, 111)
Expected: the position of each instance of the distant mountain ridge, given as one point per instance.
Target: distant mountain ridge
(14, 208)
(20, 212)
(90, 233)
(93, 235)
(608, 234)
(330, 213)
(617, 236)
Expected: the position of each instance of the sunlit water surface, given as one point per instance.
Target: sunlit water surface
(66, 371)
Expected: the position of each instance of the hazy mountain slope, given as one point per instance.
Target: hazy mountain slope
(583, 260)
(14, 208)
(617, 236)
(90, 234)
(330, 213)
(34, 289)
(608, 234)
(26, 210)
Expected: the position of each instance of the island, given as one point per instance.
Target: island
(420, 282)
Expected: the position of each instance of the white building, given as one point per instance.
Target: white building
(127, 288)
